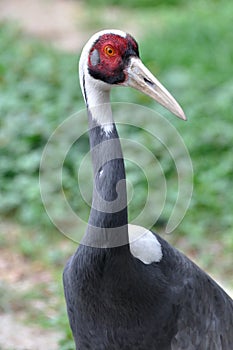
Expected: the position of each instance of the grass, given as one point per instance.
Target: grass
(190, 50)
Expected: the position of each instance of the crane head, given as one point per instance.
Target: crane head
(111, 57)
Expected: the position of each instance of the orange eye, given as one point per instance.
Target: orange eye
(109, 50)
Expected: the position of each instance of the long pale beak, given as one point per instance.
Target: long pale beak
(140, 78)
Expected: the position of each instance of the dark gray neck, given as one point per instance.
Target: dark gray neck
(107, 225)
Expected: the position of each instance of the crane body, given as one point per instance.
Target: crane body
(124, 293)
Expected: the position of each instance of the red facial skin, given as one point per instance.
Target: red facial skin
(110, 68)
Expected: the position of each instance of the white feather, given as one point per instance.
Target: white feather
(107, 128)
(144, 245)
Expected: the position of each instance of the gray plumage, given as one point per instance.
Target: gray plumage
(117, 302)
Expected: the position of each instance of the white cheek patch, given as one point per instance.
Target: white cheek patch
(144, 245)
(95, 58)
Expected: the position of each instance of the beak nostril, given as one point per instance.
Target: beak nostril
(140, 78)
(149, 82)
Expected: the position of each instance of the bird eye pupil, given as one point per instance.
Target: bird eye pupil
(109, 50)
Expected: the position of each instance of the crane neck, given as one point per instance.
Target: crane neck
(108, 220)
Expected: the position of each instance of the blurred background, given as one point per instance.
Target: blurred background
(188, 46)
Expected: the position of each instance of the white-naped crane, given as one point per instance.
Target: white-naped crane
(124, 293)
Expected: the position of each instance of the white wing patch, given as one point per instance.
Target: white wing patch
(144, 245)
